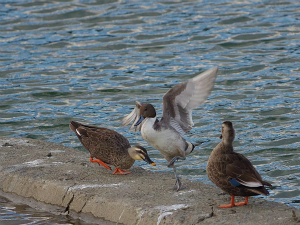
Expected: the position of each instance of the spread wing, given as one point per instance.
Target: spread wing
(180, 100)
(133, 116)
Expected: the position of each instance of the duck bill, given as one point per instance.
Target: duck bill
(148, 160)
(139, 121)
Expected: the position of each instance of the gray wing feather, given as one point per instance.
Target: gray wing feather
(180, 100)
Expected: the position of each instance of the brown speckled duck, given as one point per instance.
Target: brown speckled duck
(109, 147)
(233, 172)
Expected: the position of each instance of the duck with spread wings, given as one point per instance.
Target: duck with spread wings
(166, 134)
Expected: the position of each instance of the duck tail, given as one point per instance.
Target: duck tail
(266, 183)
(190, 148)
(261, 190)
(198, 143)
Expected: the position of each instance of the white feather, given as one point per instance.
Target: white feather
(78, 132)
(133, 116)
(250, 184)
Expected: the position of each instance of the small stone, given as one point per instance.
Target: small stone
(6, 144)
(232, 211)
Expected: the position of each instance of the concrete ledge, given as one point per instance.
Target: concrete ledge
(64, 179)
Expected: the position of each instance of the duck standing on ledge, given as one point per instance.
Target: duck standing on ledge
(109, 147)
(233, 172)
(178, 103)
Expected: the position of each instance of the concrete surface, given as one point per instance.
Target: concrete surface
(63, 181)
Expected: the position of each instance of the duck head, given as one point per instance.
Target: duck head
(146, 111)
(228, 132)
(140, 153)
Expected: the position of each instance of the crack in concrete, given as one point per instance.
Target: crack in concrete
(69, 203)
(294, 217)
(120, 217)
(12, 186)
(63, 198)
(203, 217)
(82, 207)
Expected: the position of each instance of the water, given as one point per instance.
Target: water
(90, 60)
(12, 214)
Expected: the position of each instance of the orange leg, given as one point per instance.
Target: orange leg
(120, 171)
(232, 204)
(242, 203)
(100, 163)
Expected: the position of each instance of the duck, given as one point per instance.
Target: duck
(233, 172)
(109, 147)
(166, 134)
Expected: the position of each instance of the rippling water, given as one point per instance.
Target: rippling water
(13, 214)
(89, 60)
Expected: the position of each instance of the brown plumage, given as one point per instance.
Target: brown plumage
(109, 146)
(233, 172)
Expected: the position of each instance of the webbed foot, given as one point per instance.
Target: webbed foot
(100, 163)
(121, 172)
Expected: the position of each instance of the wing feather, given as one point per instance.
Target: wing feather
(133, 116)
(242, 170)
(180, 100)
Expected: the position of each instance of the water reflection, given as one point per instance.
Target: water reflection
(15, 214)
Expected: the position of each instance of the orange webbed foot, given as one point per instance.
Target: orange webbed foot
(226, 206)
(232, 204)
(100, 163)
(120, 171)
(242, 203)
